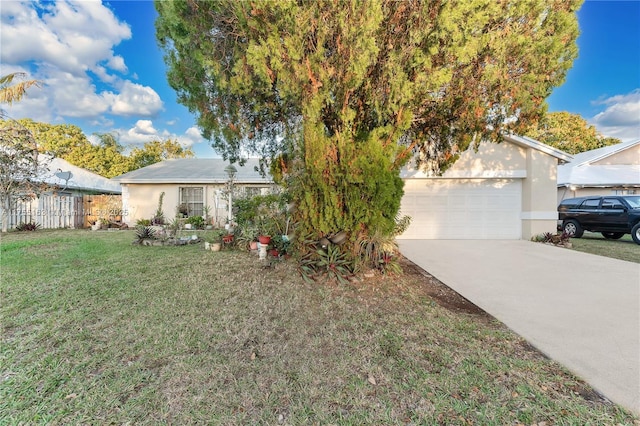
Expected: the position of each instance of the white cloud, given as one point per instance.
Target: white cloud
(144, 131)
(191, 136)
(135, 99)
(621, 117)
(145, 127)
(66, 45)
(72, 36)
(195, 134)
(117, 63)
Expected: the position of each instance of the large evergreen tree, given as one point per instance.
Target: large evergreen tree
(346, 92)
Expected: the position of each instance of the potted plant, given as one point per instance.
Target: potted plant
(182, 210)
(280, 244)
(267, 229)
(215, 241)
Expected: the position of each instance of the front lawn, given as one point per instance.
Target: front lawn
(96, 330)
(595, 243)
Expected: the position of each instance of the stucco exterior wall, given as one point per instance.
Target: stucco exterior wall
(140, 201)
(490, 160)
(539, 204)
(628, 156)
(536, 170)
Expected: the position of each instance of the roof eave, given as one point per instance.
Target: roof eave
(600, 185)
(534, 144)
(190, 181)
(609, 154)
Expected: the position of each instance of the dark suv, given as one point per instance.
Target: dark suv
(613, 216)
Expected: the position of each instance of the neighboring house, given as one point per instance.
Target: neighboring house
(66, 203)
(611, 170)
(194, 185)
(503, 190)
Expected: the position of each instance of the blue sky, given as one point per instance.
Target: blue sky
(103, 71)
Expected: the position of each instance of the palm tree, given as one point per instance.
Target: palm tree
(9, 92)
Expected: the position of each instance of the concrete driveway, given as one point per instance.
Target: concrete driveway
(581, 310)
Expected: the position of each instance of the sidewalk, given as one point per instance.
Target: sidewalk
(581, 310)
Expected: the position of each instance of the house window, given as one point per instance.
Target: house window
(252, 191)
(624, 192)
(191, 201)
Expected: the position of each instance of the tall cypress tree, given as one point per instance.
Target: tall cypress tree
(349, 91)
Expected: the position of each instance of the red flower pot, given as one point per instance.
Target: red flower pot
(264, 240)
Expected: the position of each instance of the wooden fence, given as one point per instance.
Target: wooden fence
(64, 210)
(105, 207)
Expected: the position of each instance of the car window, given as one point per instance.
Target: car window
(634, 202)
(590, 204)
(611, 203)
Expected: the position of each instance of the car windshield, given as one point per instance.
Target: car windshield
(634, 202)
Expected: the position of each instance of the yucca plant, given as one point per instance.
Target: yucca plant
(145, 233)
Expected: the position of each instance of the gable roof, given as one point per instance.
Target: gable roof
(583, 172)
(79, 178)
(528, 142)
(194, 170)
(601, 153)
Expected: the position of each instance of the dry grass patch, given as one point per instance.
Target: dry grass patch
(107, 332)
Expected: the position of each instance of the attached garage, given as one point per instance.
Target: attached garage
(500, 191)
(464, 209)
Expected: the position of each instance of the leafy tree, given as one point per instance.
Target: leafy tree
(568, 132)
(21, 168)
(107, 158)
(19, 163)
(348, 91)
(59, 140)
(156, 151)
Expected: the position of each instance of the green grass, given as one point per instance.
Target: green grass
(595, 243)
(96, 330)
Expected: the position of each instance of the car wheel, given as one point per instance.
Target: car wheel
(572, 228)
(612, 235)
(635, 233)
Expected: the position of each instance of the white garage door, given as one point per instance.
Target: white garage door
(458, 209)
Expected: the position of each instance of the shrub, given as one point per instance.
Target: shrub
(196, 222)
(379, 252)
(31, 226)
(548, 237)
(143, 222)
